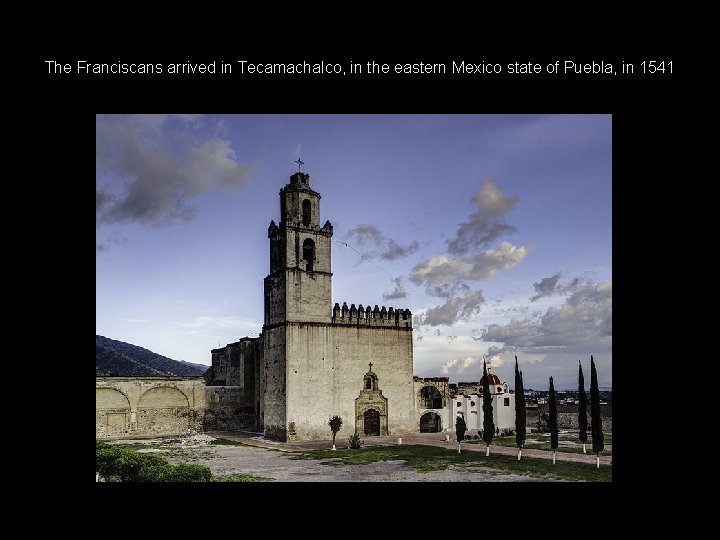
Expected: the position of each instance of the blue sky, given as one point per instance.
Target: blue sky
(495, 230)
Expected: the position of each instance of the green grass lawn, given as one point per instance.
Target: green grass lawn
(431, 458)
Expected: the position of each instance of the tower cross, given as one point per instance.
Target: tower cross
(370, 366)
(299, 162)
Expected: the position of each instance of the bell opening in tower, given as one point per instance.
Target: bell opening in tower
(306, 212)
(308, 254)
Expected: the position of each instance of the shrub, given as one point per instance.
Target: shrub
(185, 472)
(355, 441)
(106, 461)
(125, 465)
(153, 469)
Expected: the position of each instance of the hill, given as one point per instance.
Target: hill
(117, 358)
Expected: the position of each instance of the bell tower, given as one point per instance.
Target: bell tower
(299, 285)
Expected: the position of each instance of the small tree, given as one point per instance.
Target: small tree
(552, 419)
(520, 415)
(335, 423)
(460, 429)
(596, 427)
(582, 409)
(488, 424)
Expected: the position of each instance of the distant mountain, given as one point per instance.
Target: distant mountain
(117, 358)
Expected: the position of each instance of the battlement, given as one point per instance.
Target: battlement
(366, 316)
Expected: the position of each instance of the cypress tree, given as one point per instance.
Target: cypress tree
(460, 429)
(597, 434)
(552, 419)
(488, 424)
(520, 419)
(582, 409)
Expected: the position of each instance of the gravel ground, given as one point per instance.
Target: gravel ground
(237, 460)
(271, 460)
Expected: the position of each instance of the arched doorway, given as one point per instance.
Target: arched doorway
(371, 421)
(430, 422)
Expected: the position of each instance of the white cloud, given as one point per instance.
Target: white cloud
(454, 309)
(151, 166)
(485, 224)
(222, 323)
(548, 286)
(398, 292)
(458, 365)
(373, 244)
(583, 324)
(444, 270)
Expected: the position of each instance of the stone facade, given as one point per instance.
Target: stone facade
(148, 406)
(311, 360)
(432, 399)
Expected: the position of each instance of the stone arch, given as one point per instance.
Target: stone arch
(110, 398)
(430, 397)
(430, 422)
(163, 410)
(163, 397)
(112, 413)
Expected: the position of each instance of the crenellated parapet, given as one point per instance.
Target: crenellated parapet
(367, 316)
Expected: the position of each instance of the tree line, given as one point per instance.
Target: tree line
(520, 414)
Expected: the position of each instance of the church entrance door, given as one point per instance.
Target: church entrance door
(371, 419)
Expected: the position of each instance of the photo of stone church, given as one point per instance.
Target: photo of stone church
(312, 360)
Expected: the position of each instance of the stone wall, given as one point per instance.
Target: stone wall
(273, 410)
(325, 368)
(307, 294)
(148, 406)
(236, 365)
(227, 409)
(568, 416)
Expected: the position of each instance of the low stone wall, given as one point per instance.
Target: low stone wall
(147, 406)
(567, 416)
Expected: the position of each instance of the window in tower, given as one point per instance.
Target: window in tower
(306, 212)
(308, 254)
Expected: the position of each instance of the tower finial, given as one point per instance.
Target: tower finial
(370, 366)
(299, 162)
